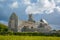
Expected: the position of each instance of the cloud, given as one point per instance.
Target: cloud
(58, 8)
(55, 27)
(27, 2)
(38, 7)
(41, 6)
(14, 5)
(4, 22)
(58, 1)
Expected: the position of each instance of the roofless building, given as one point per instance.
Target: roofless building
(13, 22)
(28, 26)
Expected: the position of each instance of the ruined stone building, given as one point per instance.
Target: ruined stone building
(13, 22)
(28, 26)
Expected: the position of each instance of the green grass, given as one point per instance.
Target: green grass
(28, 38)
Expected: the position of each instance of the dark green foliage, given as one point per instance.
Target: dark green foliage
(3, 29)
(37, 34)
(31, 34)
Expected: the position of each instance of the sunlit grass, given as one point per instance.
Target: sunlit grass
(28, 38)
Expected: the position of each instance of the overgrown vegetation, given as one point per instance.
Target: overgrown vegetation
(4, 31)
(35, 34)
(3, 28)
(13, 37)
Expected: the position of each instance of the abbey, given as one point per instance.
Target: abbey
(28, 26)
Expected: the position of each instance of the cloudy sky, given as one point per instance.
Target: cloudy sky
(46, 9)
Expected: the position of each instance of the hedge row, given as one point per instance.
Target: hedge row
(30, 34)
(37, 34)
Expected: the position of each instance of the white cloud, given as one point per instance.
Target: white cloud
(30, 10)
(14, 5)
(40, 7)
(27, 2)
(49, 11)
(58, 8)
(55, 27)
(4, 22)
(58, 1)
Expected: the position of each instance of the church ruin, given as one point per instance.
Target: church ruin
(28, 26)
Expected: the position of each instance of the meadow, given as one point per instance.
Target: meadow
(5, 34)
(13, 37)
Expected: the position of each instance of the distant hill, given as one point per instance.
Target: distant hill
(3, 28)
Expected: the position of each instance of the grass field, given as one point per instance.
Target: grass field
(28, 38)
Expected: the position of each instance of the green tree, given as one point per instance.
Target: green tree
(3, 28)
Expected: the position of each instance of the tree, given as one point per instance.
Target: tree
(3, 28)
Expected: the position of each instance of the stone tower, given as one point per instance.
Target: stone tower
(13, 22)
(30, 18)
(43, 26)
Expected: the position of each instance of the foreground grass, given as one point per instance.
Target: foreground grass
(28, 38)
